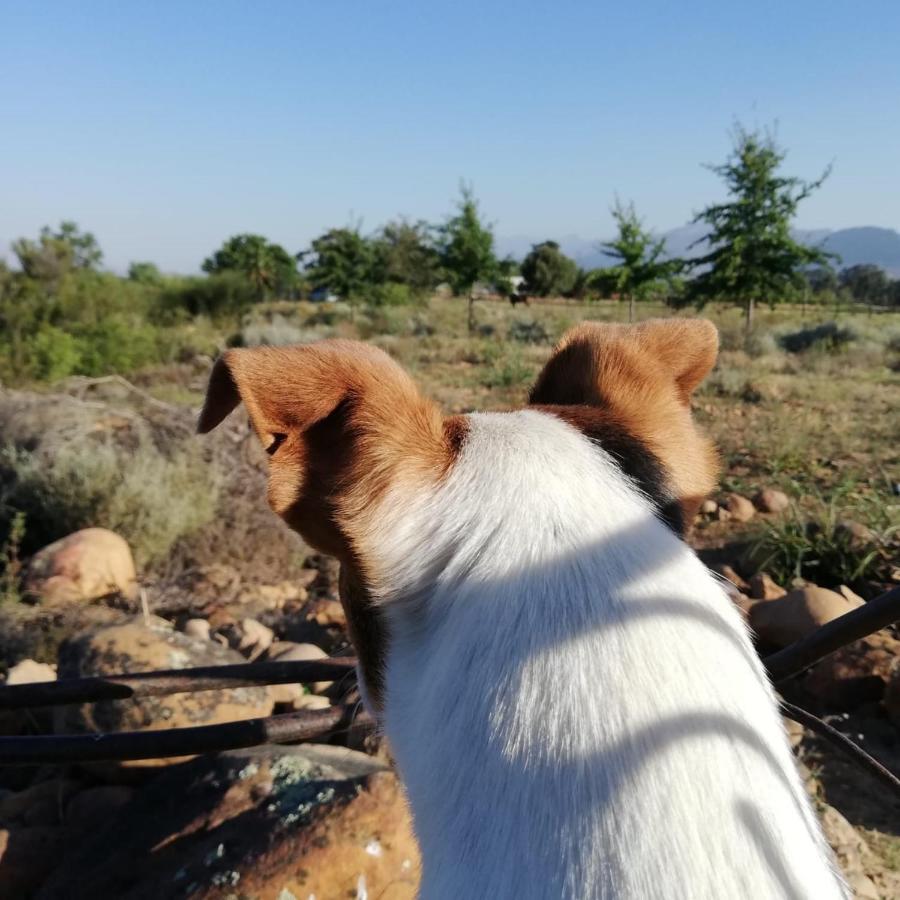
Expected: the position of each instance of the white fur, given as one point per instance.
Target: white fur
(574, 704)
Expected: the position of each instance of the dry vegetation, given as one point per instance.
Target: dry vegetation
(804, 406)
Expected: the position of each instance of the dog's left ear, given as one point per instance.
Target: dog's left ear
(686, 347)
(637, 381)
(595, 363)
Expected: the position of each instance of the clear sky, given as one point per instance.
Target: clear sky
(164, 127)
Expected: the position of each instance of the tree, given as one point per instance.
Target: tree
(405, 254)
(55, 253)
(466, 248)
(268, 266)
(822, 280)
(343, 261)
(640, 268)
(144, 273)
(548, 271)
(866, 283)
(893, 297)
(752, 255)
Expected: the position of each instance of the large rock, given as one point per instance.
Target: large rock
(740, 508)
(142, 647)
(287, 651)
(267, 824)
(762, 587)
(785, 620)
(855, 674)
(770, 500)
(856, 535)
(83, 566)
(30, 672)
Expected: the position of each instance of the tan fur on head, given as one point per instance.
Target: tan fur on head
(643, 377)
(342, 423)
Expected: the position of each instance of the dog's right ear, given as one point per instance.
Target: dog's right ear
(284, 389)
(222, 395)
(339, 420)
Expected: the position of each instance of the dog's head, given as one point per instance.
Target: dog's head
(345, 428)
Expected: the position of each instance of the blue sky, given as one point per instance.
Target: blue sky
(165, 127)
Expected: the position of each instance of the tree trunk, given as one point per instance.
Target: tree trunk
(471, 320)
(631, 307)
(748, 321)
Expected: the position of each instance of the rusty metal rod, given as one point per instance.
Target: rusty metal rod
(840, 740)
(304, 725)
(884, 610)
(288, 728)
(172, 681)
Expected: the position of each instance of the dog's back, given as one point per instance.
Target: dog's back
(575, 705)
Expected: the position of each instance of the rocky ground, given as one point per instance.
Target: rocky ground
(207, 576)
(323, 820)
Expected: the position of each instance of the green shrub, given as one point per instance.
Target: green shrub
(383, 320)
(508, 371)
(276, 332)
(117, 345)
(227, 295)
(151, 499)
(760, 343)
(10, 561)
(817, 545)
(828, 337)
(528, 332)
(729, 382)
(54, 354)
(391, 294)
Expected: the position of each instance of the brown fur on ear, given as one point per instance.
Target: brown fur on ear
(342, 424)
(687, 347)
(642, 377)
(221, 396)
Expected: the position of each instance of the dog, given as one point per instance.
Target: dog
(574, 705)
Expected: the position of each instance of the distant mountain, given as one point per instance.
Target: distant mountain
(855, 246)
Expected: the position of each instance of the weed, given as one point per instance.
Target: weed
(508, 371)
(10, 560)
(152, 499)
(277, 332)
(826, 546)
(528, 332)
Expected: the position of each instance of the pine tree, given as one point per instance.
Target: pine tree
(640, 265)
(466, 248)
(752, 256)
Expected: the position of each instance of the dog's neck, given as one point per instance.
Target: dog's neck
(562, 677)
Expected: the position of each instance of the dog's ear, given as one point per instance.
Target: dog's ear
(339, 419)
(595, 360)
(284, 389)
(633, 383)
(686, 347)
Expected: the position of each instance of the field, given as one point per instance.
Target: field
(807, 405)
